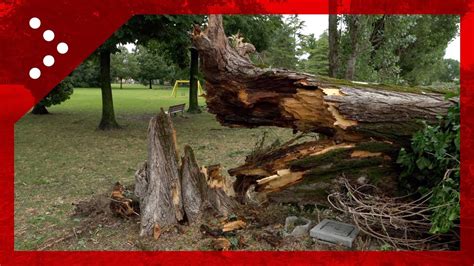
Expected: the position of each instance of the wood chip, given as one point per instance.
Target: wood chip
(221, 244)
(156, 231)
(235, 225)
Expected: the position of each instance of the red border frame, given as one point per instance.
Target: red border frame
(85, 24)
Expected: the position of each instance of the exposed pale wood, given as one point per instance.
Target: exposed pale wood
(215, 179)
(282, 179)
(121, 205)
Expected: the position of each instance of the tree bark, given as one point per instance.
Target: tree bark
(333, 42)
(169, 193)
(108, 115)
(193, 82)
(39, 109)
(354, 32)
(355, 117)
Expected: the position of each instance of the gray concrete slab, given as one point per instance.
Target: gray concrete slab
(335, 232)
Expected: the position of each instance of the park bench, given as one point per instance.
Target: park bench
(174, 109)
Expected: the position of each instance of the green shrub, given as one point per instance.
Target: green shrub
(59, 94)
(432, 164)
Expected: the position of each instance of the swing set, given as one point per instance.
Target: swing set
(179, 82)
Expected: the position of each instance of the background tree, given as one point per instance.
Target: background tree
(284, 52)
(258, 30)
(124, 65)
(432, 36)
(126, 33)
(59, 94)
(86, 75)
(193, 82)
(151, 64)
(356, 37)
(108, 114)
(394, 48)
(449, 70)
(333, 40)
(316, 51)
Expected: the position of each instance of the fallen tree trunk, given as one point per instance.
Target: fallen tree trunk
(169, 193)
(351, 114)
(241, 94)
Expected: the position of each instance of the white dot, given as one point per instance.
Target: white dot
(48, 35)
(48, 60)
(35, 73)
(35, 23)
(62, 48)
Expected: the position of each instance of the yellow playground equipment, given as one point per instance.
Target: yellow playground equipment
(178, 82)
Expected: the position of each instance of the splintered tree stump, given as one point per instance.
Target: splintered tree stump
(171, 193)
(199, 197)
(194, 186)
(160, 191)
(348, 113)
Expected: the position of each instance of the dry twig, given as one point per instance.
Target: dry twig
(398, 221)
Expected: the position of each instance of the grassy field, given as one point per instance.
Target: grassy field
(62, 158)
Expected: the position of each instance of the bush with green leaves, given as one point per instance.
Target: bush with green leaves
(432, 164)
(59, 94)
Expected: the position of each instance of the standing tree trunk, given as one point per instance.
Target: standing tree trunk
(39, 109)
(108, 115)
(193, 82)
(169, 193)
(121, 83)
(354, 32)
(333, 41)
(150, 85)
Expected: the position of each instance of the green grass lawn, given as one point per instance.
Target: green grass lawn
(62, 158)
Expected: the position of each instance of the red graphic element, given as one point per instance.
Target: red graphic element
(84, 25)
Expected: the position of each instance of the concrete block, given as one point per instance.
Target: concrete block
(335, 232)
(297, 226)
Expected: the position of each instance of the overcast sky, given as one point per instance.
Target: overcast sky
(317, 24)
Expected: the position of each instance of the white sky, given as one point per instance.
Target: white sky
(317, 24)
